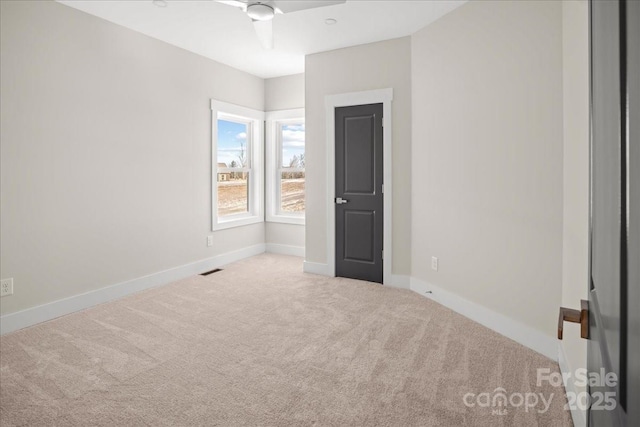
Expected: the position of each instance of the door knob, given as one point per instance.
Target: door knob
(575, 316)
(341, 201)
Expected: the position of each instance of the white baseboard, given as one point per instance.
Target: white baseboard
(578, 416)
(400, 281)
(275, 248)
(31, 316)
(316, 268)
(523, 334)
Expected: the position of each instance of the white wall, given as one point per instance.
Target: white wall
(575, 253)
(284, 93)
(379, 65)
(487, 154)
(106, 153)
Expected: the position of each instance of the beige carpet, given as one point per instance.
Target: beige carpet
(263, 344)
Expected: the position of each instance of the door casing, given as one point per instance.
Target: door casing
(380, 96)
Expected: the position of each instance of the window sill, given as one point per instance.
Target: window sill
(223, 224)
(285, 219)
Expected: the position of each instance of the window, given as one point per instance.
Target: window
(286, 166)
(237, 165)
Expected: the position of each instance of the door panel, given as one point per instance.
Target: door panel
(359, 156)
(359, 174)
(359, 228)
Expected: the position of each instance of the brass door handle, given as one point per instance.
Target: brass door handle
(576, 316)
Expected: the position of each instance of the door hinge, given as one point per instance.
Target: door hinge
(382, 190)
(383, 254)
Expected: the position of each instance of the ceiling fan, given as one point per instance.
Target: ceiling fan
(262, 13)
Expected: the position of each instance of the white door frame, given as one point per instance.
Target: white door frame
(383, 96)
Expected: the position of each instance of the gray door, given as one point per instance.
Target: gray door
(614, 254)
(359, 198)
(633, 208)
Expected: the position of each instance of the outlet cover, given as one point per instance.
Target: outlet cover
(6, 287)
(434, 263)
(209, 240)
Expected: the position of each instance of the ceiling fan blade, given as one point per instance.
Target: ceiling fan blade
(264, 30)
(288, 6)
(234, 3)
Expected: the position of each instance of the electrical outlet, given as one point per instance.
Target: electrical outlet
(209, 240)
(434, 263)
(6, 287)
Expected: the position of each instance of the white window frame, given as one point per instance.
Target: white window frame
(273, 165)
(255, 145)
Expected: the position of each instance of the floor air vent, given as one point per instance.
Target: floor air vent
(215, 270)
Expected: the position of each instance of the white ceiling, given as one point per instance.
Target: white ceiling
(225, 34)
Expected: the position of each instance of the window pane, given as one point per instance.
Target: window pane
(233, 150)
(292, 137)
(233, 193)
(292, 192)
